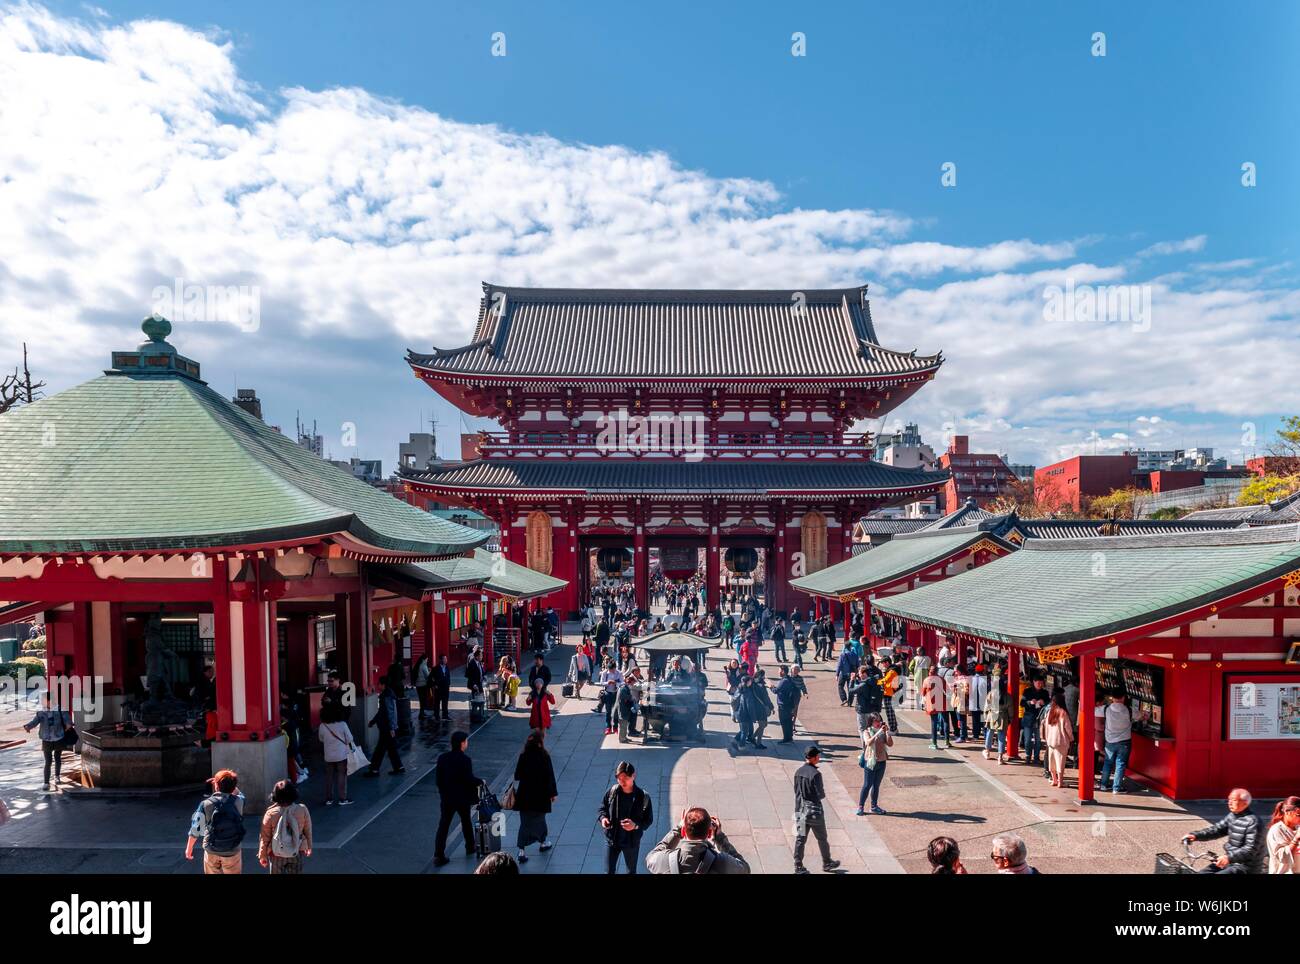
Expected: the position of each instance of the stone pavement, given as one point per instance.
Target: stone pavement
(750, 791)
(391, 828)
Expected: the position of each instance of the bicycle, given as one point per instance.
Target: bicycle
(1169, 864)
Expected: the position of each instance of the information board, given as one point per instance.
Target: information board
(1264, 711)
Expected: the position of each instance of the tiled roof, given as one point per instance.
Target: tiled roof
(619, 333)
(490, 570)
(966, 514)
(138, 462)
(1281, 510)
(888, 527)
(1054, 592)
(1084, 528)
(899, 557)
(650, 476)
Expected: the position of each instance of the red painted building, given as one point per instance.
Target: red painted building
(156, 509)
(977, 476)
(674, 420)
(1200, 631)
(1073, 481)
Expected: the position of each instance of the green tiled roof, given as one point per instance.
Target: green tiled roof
(1055, 592)
(491, 570)
(131, 462)
(898, 557)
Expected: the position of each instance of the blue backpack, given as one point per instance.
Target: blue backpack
(226, 828)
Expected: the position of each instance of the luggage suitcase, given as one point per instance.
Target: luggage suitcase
(567, 690)
(485, 841)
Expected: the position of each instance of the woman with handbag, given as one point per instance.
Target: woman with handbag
(534, 795)
(57, 734)
(338, 749)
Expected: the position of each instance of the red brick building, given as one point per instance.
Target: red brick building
(978, 476)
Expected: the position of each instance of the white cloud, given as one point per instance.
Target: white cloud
(1185, 246)
(134, 154)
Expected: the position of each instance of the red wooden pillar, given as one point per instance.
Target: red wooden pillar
(1087, 725)
(781, 569)
(222, 647)
(712, 564)
(425, 619)
(848, 608)
(866, 622)
(1013, 686)
(641, 566)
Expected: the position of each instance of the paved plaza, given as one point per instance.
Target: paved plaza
(390, 830)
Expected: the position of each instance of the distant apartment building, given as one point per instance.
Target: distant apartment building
(981, 476)
(906, 450)
(419, 452)
(370, 471)
(1022, 471)
(246, 398)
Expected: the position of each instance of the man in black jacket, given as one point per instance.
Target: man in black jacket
(625, 814)
(865, 695)
(789, 691)
(539, 671)
(440, 685)
(1245, 852)
(809, 817)
(457, 792)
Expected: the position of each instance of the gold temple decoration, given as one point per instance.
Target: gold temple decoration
(1291, 580)
(1056, 654)
(986, 545)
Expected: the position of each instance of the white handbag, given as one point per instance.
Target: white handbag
(357, 759)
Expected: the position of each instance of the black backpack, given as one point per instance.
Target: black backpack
(226, 826)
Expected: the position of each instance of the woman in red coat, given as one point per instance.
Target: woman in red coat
(540, 700)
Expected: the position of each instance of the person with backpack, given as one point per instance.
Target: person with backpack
(385, 719)
(800, 642)
(697, 846)
(336, 749)
(286, 832)
(625, 814)
(218, 822)
(809, 812)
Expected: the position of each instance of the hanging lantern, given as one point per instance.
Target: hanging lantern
(613, 561)
(741, 561)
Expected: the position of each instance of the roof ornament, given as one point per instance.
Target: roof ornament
(155, 355)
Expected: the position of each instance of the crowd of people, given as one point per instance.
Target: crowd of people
(967, 702)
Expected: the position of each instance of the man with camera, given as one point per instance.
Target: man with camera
(698, 846)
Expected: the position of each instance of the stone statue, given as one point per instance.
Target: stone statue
(157, 661)
(161, 708)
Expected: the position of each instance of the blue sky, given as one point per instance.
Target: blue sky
(1131, 161)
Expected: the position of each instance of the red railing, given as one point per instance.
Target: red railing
(669, 439)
